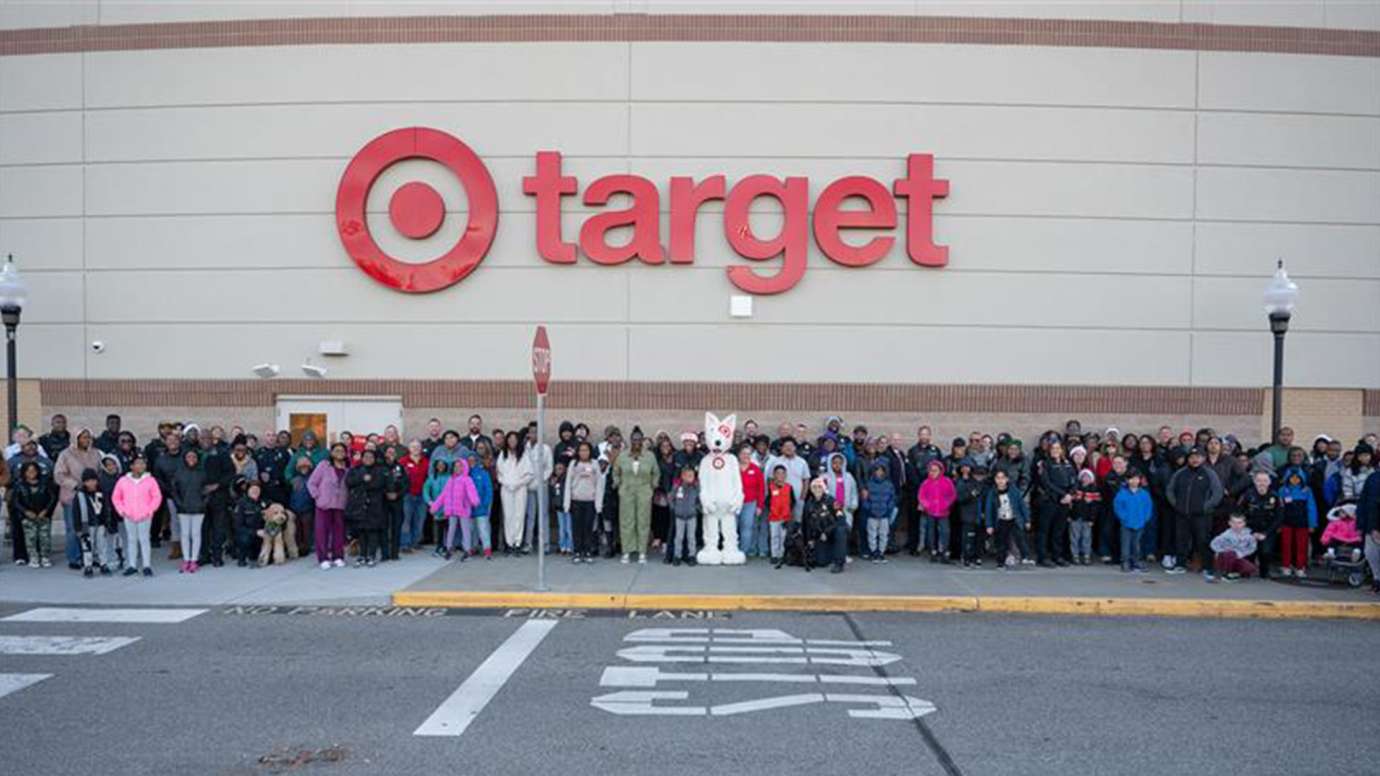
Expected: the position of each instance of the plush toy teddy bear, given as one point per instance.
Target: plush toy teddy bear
(721, 493)
(275, 526)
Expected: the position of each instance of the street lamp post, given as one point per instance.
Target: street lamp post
(14, 293)
(1280, 297)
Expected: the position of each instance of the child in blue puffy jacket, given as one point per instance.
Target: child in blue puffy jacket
(1134, 508)
(484, 489)
(877, 506)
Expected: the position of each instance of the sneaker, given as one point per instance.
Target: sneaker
(1175, 570)
(359, 562)
(624, 561)
(148, 572)
(369, 563)
(182, 568)
(339, 563)
(1231, 576)
(20, 562)
(1027, 561)
(691, 562)
(193, 567)
(978, 563)
(575, 559)
(488, 555)
(325, 565)
(129, 572)
(1209, 577)
(88, 572)
(73, 566)
(1301, 573)
(1106, 558)
(676, 562)
(1286, 572)
(45, 563)
(642, 559)
(447, 555)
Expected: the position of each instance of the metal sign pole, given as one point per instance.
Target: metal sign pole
(542, 494)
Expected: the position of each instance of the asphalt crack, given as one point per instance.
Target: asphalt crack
(926, 734)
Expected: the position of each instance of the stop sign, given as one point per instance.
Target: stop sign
(541, 360)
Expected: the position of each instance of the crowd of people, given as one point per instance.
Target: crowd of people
(1188, 500)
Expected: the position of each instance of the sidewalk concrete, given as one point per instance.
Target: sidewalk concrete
(904, 584)
(298, 582)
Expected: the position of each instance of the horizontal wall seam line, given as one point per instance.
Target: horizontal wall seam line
(621, 102)
(652, 323)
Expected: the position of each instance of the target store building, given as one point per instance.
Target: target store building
(980, 215)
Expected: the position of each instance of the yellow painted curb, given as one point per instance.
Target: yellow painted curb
(1116, 607)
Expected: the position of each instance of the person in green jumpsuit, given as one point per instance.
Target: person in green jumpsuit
(636, 474)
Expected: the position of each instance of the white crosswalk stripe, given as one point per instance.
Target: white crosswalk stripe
(15, 682)
(63, 645)
(136, 616)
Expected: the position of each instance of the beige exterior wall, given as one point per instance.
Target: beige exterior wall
(1314, 412)
(30, 405)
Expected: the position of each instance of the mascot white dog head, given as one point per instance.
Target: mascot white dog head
(718, 434)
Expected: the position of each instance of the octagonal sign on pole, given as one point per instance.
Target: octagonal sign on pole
(541, 375)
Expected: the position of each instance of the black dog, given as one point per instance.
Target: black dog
(799, 551)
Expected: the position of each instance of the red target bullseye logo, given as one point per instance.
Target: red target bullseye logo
(416, 209)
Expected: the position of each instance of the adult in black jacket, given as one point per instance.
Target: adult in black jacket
(826, 529)
(1368, 525)
(364, 506)
(110, 438)
(395, 484)
(249, 518)
(1055, 481)
(33, 499)
(217, 528)
(1193, 493)
(1264, 514)
(272, 459)
(57, 439)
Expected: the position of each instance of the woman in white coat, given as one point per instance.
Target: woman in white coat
(514, 475)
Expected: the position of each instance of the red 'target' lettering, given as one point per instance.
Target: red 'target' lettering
(548, 186)
(922, 188)
(791, 243)
(829, 219)
(686, 198)
(644, 215)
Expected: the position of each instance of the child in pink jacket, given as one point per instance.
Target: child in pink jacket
(1341, 537)
(937, 495)
(136, 498)
(455, 504)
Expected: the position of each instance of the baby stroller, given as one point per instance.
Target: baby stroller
(1343, 559)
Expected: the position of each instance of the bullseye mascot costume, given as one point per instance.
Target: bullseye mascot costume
(721, 493)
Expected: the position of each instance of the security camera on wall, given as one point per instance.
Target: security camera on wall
(266, 370)
(312, 370)
(97, 346)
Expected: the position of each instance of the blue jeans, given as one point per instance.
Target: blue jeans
(565, 540)
(414, 517)
(937, 535)
(1147, 540)
(761, 535)
(486, 528)
(71, 542)
(747, 521)
(1131, 539)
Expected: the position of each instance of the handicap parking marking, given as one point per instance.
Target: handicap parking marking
(133, 616)
(63, 645)
(637, 690)
(15, 682)
(464, 705)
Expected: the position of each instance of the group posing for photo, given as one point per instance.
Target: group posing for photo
(827, 498)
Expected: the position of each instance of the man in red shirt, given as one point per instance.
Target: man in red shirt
(414, 506)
